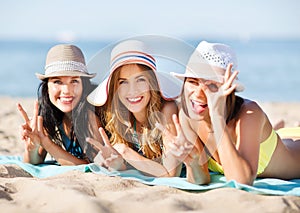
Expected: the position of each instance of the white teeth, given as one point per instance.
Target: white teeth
(134, 99)
(197, 103)
(66, 99)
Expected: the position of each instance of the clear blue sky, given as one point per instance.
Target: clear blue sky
(110, 19)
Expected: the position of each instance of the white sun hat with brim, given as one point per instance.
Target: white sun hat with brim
(65, 60)
(209, 61)
(132, 52)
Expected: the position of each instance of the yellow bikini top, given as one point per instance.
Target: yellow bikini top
(265, 153)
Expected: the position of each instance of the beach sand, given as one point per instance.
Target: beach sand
(88, 192)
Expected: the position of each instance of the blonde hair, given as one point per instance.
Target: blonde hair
(120, 120)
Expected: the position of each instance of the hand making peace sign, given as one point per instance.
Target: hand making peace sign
(178, 144)
(32, 130)
(108, 156)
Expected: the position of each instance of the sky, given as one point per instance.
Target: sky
(69, 20)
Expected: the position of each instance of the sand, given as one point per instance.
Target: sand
(88, 192)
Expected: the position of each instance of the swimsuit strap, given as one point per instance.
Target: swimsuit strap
(71, 146)
(135, 139)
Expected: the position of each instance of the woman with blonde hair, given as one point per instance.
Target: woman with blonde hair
(133, 104)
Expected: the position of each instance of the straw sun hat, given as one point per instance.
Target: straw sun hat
(207, 56)
(65, 60)
(132, 52)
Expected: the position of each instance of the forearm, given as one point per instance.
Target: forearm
(60, 155)
(35, 156)
(171, 164)
(197, 174)
(143, 164)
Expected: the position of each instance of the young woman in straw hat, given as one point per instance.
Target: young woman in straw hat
(233, 134)
(63, 118)
(133, 104)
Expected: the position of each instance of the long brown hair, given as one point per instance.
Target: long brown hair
(120, 121)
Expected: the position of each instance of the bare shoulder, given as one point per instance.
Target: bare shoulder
(251, 109)
(250, 105)
(170, 108)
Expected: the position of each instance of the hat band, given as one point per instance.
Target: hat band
(65, 66)
(133, 57)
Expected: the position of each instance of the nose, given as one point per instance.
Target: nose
(131, 88)
(199, 90)
(66, 88)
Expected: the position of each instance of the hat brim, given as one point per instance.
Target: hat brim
(170, 89)
(239, 86)
(98, 96)
(65, 73)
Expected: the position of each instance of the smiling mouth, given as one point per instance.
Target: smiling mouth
(135, 100)
(198, 107)
(66, 100)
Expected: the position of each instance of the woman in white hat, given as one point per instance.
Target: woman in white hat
(133, 104)
(63, 118)
(232, 135)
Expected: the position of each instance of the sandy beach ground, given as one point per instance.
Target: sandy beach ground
(88, 192)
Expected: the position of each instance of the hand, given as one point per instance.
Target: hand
(178, 145)
(216, 99)
(30, 134)
(107, 155)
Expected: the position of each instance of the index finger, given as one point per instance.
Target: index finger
(104, 137)
(23, 112)
(177, 124)
(228, 71)
(95, 143)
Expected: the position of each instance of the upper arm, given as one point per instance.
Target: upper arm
(250, 132)
(188, 131)
(168, 110)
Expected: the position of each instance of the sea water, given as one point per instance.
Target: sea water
(269, 69)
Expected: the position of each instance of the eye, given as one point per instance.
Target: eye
(59, 82)
(75, 81)
(192, 81)
(212, 86)
(141, 79)
(123, 82)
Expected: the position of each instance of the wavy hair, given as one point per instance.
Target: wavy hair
(120, 120)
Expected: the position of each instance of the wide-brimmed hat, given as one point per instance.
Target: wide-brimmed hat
(65, 60)
(206, 58)
(131, 52)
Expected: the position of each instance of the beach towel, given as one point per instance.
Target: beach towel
(266, 186)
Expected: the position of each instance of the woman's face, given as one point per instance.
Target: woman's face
(65, 92)
(195, 97)
(134, 88)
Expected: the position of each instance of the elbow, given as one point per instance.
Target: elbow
(246, 178)
(199, 178)
(201, 181)
(246, 181)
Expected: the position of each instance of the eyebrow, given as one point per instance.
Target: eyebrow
(134, 77)
(60, 78)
